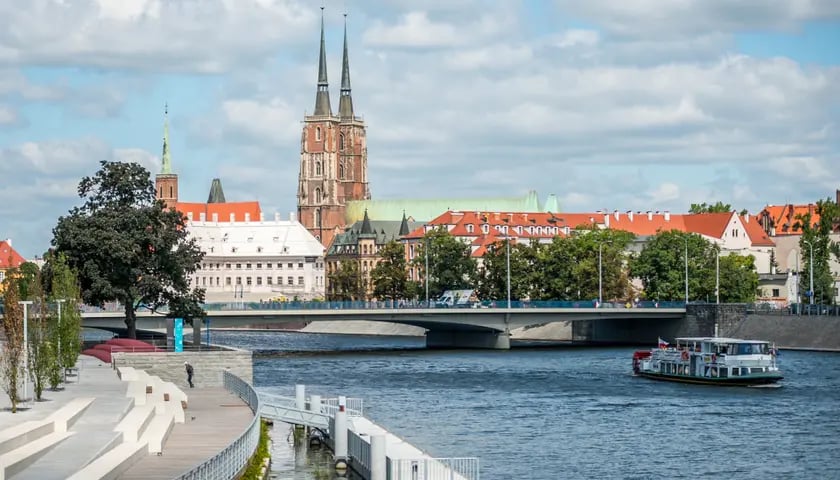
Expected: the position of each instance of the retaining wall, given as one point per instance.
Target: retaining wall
(817, 332)
(207, 365)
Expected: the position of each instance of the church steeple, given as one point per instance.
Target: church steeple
(166, 161)
(322, 97)
(345, 103)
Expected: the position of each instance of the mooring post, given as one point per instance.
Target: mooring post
(378, 461)
(315, 403)
(340, 450)
(300, 397)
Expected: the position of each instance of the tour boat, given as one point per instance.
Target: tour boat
(710, 361)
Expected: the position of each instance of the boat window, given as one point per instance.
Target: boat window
(723, 372)
(745, 371)
(751, 348)
(757, 370)
(735, 371)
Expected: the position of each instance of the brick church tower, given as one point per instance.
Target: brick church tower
(166, 182)
(333, 155)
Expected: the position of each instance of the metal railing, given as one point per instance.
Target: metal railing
(230, 462)
(355, 407)
(433, 469)
(358, 449)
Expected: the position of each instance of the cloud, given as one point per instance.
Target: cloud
(9, 116)
(206, 36)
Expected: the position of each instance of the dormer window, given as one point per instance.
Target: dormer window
(470, 228)
(485, 229)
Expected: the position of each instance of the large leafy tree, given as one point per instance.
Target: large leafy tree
(718, 207)
(816, 236)
(11, 355)
(126, 246)
(390, 276)
(738, 278)
(346, 282)
(661, 266)
(450, 264)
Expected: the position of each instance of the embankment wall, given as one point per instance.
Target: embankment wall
(207, 365)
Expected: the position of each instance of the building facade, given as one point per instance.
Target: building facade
(333, 155)
(258, 261)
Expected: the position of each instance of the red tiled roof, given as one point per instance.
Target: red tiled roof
(784, 217)
(643, 223)
(9, 257)
(758, 236)
(223, 211)
(709, 224)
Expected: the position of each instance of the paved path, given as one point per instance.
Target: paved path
(214, 419)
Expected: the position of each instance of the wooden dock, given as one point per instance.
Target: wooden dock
(214, 419)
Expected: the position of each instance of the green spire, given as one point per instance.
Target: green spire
(322, 97)
(166, 161)
(345, 104)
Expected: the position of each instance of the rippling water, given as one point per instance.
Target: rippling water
(569, 412)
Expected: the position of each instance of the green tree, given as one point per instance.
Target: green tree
(28, 279)
(126, 246)
(11, 355)
(345, 282)
(718, 207)
(738, 278)
(816, 236)
(390, 277)
(60, 283)
(661, 266)
(450, 264)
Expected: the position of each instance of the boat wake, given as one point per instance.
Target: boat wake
(766, 385)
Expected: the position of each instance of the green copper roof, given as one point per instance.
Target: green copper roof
(428, 209)
(322, 97)
(166, 161)
(383, 231)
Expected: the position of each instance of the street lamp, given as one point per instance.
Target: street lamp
(600, 275)
(811, 272)
(686, 269)
(507, 247)
(25, 304)
(717, 276)
(426, 254)
(59, 301)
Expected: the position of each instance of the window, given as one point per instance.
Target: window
(341, 171)
(317, 168)
(318, 133)
(203, 280)
(317, 195)
(268, 280)
(279, 266)
(259, 280)
(775, 292)
(291, 265)
(239, 280)
(248, 266)
(227, 281)
(248, 280)
(341, 142)
(300, 280)
(238, 265)
(318, 218)
(219, 283)
(171, 192)
(259, 265)
(279, 280)
(300, 265)
(291, 280)
(227, 265)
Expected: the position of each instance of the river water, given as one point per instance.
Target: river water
(548, 413)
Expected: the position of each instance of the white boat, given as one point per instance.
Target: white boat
(711, 361)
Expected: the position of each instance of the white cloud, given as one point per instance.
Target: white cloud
(8, 116)
(577, 37)
(152, 35)
(414, 30)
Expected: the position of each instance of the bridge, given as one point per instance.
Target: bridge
(445, 327)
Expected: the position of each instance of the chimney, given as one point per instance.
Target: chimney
(262, 217)
(232, 217)
(216, 217)
(630, 215)
(276, 217)
(667, 215)
(292, 217)
(650, 215)
(746, 218)
(607, 220)
(616, 214)
(247, 217)
(9, 241)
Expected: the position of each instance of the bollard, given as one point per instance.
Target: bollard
(300, 397)
(315, 403)
(340, 434)
(377, 458)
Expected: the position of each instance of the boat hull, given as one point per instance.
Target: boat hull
(746, 381)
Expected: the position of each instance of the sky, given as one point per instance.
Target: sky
(631, 105)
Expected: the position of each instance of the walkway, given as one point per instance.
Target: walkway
(214, 419)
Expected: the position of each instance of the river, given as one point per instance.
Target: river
(548, 413)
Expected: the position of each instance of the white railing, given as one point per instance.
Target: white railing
(358, 449)
(354, 407)
(228, 463)
(433, 469)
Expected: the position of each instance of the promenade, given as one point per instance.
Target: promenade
(214, 419)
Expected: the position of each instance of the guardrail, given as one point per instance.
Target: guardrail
(358, 449)
(228, 463)
(355, 407)
(433, 468)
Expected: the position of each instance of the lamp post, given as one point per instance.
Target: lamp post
(686, 269)
(507, 248)
(59, 301)
(600, 275)
(811, 273)
(717, 276)
(426, 254)
(25, 304)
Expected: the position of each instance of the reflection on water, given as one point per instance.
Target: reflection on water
(293, 459)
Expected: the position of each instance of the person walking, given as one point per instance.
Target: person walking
(189, 369)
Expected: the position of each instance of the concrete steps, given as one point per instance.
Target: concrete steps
(13, 462)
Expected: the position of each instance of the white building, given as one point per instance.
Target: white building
(259, 260)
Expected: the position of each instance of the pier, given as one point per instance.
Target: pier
(358, 443)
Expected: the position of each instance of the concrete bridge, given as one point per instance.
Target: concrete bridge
(445, 327)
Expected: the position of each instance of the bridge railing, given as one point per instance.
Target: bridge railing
(355, 407)
(232, 459)
(433, 468)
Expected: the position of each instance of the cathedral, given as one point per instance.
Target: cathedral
(333, 158)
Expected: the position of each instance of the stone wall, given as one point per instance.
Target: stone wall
(700, 319)
(207, 365)
(817, 332)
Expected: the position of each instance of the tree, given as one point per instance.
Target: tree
(61, 283)
(126, 246)
(718, 207)
(738, 278)
(817, 236)
(28, 278)
(11, 360)
(450, 263)
(345, 282)
(389, 276)
(661, 266)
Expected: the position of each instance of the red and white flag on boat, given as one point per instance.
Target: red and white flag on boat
(662, 343)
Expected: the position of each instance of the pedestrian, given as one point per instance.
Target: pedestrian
(189, 369)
